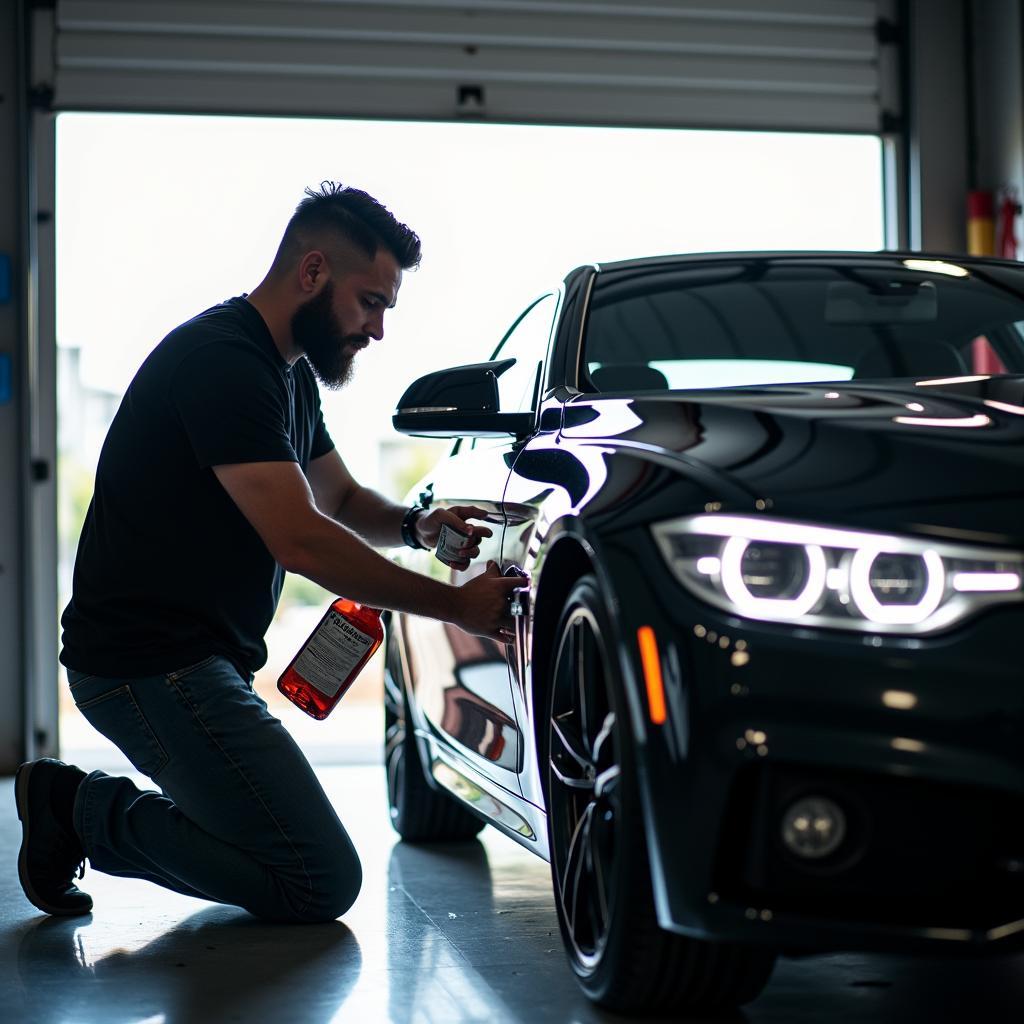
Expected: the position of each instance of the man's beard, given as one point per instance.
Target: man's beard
(316, 333)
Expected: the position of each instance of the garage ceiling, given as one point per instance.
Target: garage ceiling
(775, 64)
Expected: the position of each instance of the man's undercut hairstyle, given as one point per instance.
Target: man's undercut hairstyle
(351, 214)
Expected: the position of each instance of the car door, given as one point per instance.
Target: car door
(462, 681)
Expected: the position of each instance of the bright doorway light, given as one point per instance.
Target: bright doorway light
(159, 217)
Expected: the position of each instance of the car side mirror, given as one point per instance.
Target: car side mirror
(461, 401)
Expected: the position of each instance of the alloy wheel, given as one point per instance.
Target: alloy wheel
(584, 791)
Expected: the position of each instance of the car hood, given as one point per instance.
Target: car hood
(941, 456)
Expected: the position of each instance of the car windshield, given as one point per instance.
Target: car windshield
(791, 320)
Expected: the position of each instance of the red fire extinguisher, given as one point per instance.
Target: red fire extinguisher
(981, 237)
(1009, 210)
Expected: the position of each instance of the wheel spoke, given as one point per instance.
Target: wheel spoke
(565, 741)
(605, 738)
(393, 737)
(573, 644)
(574, 880)
(393, 763)
(394, 741)
(392, 696)
(565, 671)
(585, 785)
(584, 686)
(600, 856)
(607, 783)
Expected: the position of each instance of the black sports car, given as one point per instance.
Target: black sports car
(765, 694)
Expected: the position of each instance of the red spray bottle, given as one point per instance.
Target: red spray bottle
(334, 654)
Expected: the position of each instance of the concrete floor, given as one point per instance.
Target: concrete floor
(445, 934)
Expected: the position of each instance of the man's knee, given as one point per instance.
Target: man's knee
(334, 890)
(334, 900)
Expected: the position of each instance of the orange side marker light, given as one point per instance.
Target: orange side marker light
(652, 673)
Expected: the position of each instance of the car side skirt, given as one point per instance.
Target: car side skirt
(515, 817)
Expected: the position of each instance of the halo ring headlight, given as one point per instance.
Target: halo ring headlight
(895, 614)
(773, 607)
(809, 574)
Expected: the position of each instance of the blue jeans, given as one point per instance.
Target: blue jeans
(241, 820)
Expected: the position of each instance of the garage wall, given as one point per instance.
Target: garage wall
(12, 566)
(775, 64)
(965, 112)
(28, 514)
(998, 37)
(938, 137)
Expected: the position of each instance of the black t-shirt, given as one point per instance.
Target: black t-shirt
(169, 571)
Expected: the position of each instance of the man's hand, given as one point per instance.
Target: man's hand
(484, 604)
(428, 527)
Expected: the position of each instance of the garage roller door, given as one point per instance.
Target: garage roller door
(775, 64)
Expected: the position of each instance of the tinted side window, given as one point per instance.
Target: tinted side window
(527, 343)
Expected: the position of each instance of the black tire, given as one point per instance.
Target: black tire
(419, 812)
(600, 870)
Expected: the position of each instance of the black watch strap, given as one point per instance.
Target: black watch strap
(409, 537)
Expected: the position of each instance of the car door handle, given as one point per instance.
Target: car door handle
(520, 599)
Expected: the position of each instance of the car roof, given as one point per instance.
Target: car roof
(880, 256)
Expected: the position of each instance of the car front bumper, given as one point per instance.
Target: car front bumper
(919, 741)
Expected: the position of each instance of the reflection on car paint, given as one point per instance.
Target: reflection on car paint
(487, 803)
(475, 721)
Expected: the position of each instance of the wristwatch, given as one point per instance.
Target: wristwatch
(409, 537)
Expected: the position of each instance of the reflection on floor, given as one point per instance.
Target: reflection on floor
(450, 934)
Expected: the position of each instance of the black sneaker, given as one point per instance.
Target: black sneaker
(51, 853)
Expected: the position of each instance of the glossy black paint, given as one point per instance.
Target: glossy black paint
(802, 706)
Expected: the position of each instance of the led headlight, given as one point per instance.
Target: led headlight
(779, 580)
(782, 571)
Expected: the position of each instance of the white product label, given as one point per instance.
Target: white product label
(331, 653)
(451, 543)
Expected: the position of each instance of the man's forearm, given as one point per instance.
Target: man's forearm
(334, 557)
(377, 520)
